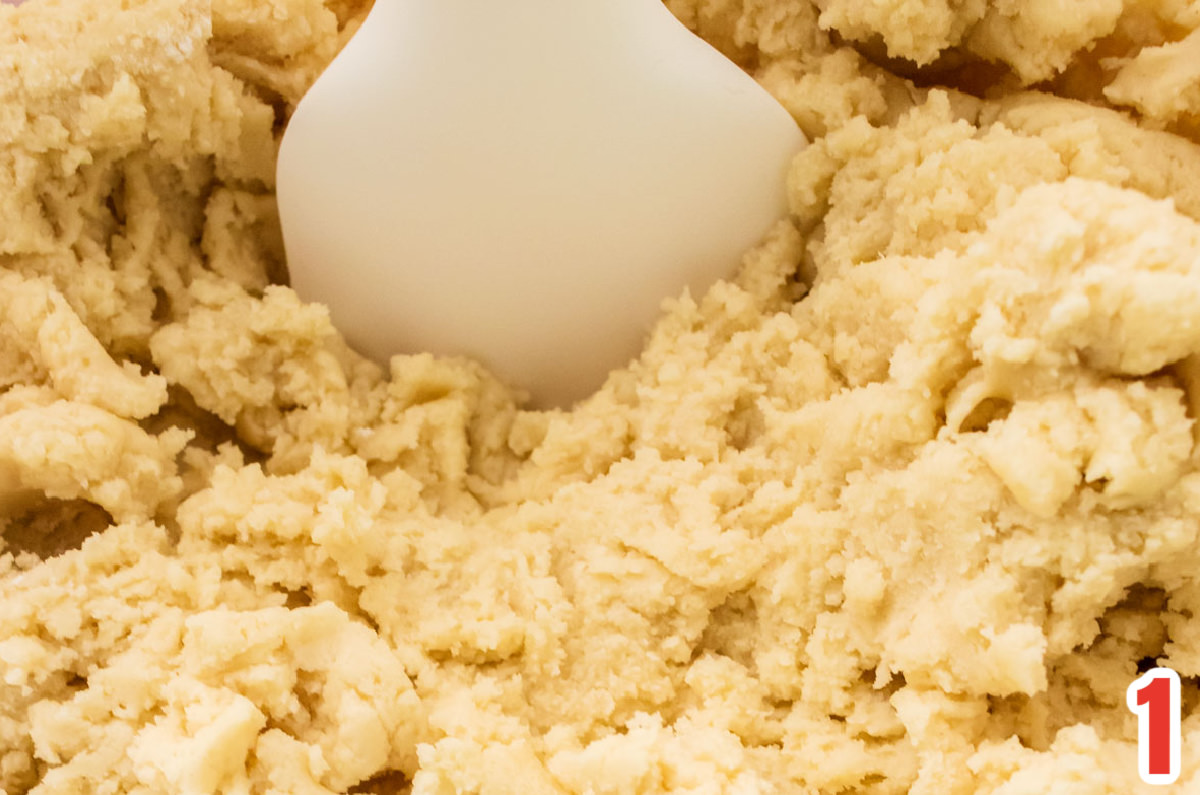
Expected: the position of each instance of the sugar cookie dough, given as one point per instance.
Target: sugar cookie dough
(901, 506)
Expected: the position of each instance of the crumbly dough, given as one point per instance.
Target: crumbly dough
(900, 507)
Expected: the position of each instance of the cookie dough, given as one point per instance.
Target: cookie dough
(901, 506)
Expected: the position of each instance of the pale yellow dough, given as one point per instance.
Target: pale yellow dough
(899, 507)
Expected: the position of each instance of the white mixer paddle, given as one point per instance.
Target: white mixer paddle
(524, 182)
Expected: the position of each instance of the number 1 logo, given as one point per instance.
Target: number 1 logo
(1154, 698)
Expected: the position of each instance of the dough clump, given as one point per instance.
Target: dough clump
(902, 506)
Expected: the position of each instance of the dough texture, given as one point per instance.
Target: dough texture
(901, 506)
